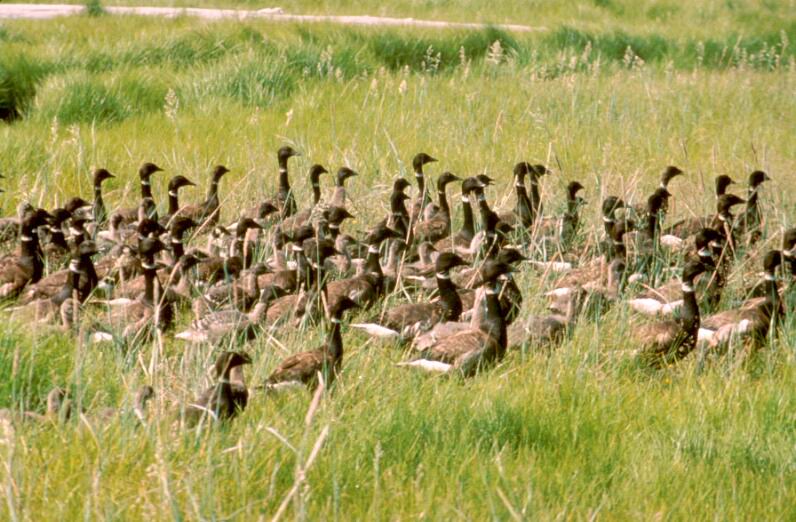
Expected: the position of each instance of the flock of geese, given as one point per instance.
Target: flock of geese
(448, 297)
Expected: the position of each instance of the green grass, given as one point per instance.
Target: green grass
(578, 433)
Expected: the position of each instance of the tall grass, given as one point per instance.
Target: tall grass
(261, 65)
(576, 433)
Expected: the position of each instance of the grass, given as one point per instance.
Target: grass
(578, 433)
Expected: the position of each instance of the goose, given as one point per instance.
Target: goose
(175, 184)
(690, 226)
(9, 226)
(669, 173)
(131, 318)
(399, 215)
(464, 237)
(145, 173)
(311, 257)
(545, 331)
(438, 226)
(477, 346)
(753, 318)
(391, 268)
(424, 266)
(666, 299)
(226, 399)
(143, 395)
(58, 409)
(368, 287)
(597, 271)
(240, 293)
(789, 250)
(99, 211)
(303, 369)
(752, 217)
(207, 211)
(422, 200)
(177, 229)
(28, 267)
(298, 219)
(339, 196)
(285, 200)
(59, 286)
(528, 207)
(230, 323)
(239, 242)
(56, 250)
(405, 321)
(669, 341)
(315, 182)
(224, 267)
(565, 229)
(648, 237)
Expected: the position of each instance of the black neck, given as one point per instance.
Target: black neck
(212, 192)
(335, 342)
(146, 188)
(468, 227)
(449, 298)
(174, 202)
(57, 237)
(523, 207)
(652, 224)
(316, 193)
(86, 266)
(150, 276)
(609, 222)
(177, 248)
(372, 264)
(99, 204)
(495, 326)
(535, 199)
(443, 203)
(690, 315)
(284, 183)
(30, 248)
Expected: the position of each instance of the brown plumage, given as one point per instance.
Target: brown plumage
(209, 210)
(17, 271)
(666, 342)
(145, 172)
(438, 226)
(368, 287)
(690, 226)
(408, 320)
(339, 196)
(303, 368)
(753, 318)
(291, 223)
(469, 350)
(227, 398)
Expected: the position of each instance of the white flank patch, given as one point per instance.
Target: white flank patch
(192, 336)
(672, 241)
(705, 335)
(670, 308)
(635, 278)
(375, 330)
(101, 337)
(120, 301)
(553, 266)
(646, 306)
(428, 366)
(286, 386)
(559, 292)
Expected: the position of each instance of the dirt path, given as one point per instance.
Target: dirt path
(276, 14)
